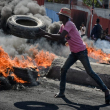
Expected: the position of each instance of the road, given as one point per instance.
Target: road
(41, 97)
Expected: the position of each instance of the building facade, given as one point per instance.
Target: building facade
(80, 14)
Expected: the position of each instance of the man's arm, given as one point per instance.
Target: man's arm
(53, 36)
(93, 30)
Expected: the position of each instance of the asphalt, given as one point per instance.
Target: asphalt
(41, 97)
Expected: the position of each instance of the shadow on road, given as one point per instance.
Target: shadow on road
(34, 105)
(82, 106)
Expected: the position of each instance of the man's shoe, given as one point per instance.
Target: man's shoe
(58, 95)
(107, 99)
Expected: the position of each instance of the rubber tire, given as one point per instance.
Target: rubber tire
(23, 31)
(4, 83)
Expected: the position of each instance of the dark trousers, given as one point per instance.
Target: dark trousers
(83, 57)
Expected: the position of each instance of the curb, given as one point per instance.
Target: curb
(77, 74)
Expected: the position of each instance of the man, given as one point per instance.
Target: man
(96, 31)
(78, 50)
(83, 30)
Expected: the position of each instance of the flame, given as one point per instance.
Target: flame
(18, 80)
(98, 55)
(5, 65)
(39, 58)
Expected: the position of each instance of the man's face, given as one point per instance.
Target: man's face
(61, 17)
(82, 24)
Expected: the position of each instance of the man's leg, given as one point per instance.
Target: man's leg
(85, 61)
(69, 62)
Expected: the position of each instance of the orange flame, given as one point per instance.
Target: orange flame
(40, 58)
(98, 55)
(18, 80)
(5, 63)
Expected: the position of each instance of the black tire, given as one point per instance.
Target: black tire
(4, 83)
(24, 26)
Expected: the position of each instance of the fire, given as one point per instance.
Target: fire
(40, 58)
(98, 55)
(5, 63)
(18, 80)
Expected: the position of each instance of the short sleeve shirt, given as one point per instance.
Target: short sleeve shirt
(73, 38)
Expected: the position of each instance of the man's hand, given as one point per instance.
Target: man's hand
(66, 44)
(41, 33)
(93, 38)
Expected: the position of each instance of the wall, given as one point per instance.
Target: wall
(56, 7)
(79, 17)
(104, 13)
(40, 2)
(105, 23)
(52, 14)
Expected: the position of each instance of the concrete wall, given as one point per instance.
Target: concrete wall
(52, 15)
(56, 7)
(102, 12)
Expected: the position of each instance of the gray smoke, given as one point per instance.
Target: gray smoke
(99, 44)
(104, 45)
(23, 7)
(15, 46)
(54, 27)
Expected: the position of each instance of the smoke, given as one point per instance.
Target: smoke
(54, 28)
(99, 44)
(89, 42)
(16, 47)
(104, 45)
(59, 50)
(21, 7)
(46, 20)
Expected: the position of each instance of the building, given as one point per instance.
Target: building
(80, 13)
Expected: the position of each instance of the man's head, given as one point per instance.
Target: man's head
(98, 20)
(82, 24)
(64, 13)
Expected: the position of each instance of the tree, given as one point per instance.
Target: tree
(97, 3)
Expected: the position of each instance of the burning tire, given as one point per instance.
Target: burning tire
(24, 26)
(4, 83)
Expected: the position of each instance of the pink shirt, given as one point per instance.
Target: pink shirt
(73, 38)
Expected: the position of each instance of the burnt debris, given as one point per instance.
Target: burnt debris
(28, 75)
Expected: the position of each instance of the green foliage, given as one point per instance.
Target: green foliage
(89, 3)
(57, 1)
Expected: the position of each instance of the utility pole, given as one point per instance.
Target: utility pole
(70, 4)
(109, 4)
(92, 6)
(92, 15)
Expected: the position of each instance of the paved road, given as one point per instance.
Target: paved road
(41, 98)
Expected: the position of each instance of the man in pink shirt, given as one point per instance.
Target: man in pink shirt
(78, 50)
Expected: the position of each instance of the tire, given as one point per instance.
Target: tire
(5, 84)
(24, 26)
